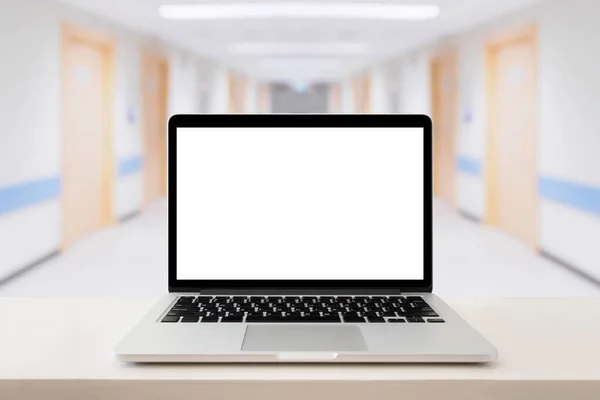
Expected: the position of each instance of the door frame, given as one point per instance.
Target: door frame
(150, 56)
(75, 34)
(439, 57)
(493, 46)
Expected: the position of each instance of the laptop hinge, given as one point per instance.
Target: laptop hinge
(283, 292)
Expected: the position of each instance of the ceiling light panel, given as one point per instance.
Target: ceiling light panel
(296, 10)
(298, 48)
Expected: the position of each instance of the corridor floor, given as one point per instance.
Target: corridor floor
(131, 260)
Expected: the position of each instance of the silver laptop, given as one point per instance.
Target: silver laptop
(301, 238)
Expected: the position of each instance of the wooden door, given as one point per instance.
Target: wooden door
(335, 98)
(362, 95)
(87, 143)
(264, 95)
(445, 118)
(512, 156)
(237, 94)
(154, 125)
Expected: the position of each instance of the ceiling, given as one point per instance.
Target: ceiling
(382, 39)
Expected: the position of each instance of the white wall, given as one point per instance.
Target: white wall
(219, 91)
(127, 132)
(379, 93)
(569, 145)
(184, 83)
(251, 102)
(414, 85)
(472, 124)
(568, 120)
(30, 108)
(29, 126)
(347, 94)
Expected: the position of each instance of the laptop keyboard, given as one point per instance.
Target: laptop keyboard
(293, 309)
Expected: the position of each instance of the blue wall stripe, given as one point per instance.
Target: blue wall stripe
(468, 165)
(24, 194)
(586, 198)
(130, 166)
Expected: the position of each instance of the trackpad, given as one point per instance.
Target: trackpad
(289, 338)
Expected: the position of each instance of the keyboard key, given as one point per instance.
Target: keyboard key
(435, 320)
(353, 319)
(329, 314)
(388, 314)
(236, 314)
(255, 314)
(210, 319)
(190, 319)
(376, 319)
(202, 299)
(417, 313)
(295, 313)
(232, 318)
(415, 319)
(170, 319)
(323, 319)
(277, 300)
(183, 314)
(294, 319)
(350, 315)
(268, 319)
(396, 320)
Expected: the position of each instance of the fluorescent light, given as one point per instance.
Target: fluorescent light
(296, 48)
(301, 63)
(278, 9)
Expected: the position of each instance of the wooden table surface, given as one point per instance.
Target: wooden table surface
(63, 349)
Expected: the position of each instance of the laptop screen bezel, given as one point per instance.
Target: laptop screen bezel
(294, 121)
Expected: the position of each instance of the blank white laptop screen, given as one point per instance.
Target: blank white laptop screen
(300, 203)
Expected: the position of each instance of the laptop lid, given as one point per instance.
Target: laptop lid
(289, 203)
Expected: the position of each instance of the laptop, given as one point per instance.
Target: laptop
(301, 238)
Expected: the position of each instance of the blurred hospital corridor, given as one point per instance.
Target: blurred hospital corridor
(87, 88)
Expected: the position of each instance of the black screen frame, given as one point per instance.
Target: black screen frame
(301, 121)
